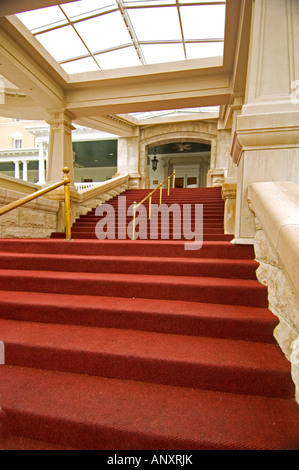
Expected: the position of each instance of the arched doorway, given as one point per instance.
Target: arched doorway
(191, 160)
(181, 138)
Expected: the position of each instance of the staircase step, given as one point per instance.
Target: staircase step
(196, 289)
(101, 413)
(157, 248)
(161, 316)
(91, 226)
(91, 235)
(178, 360)
(12, 442)
(244, 269)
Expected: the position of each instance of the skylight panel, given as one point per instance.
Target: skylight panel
(203, 21)
(63, 43)
(104, 32)
(203, 50)
(202, 1)
(37, 20)
(141, 3)
(156, 23)
(88, 64)
(125, 57)
(142, 115)
(158, 53)
(175, 112)
(84, 8)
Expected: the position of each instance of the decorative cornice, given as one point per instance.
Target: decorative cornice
(116, 118)
(18, 153)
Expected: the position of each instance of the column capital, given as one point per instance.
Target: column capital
(61, 116)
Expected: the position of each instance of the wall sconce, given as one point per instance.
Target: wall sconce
(154, 162)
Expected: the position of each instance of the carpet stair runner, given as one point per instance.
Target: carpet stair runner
(140, 345)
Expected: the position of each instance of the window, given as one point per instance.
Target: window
(17, 143)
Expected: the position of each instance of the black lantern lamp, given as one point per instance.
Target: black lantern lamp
(154, 162)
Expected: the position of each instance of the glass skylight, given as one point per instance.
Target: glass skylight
(88, 35)
(152, 24)
(70, 45)
(104, 32)
(118, 58)
(197, 22)
(85, 8)
(40, 20)
(158, 53)
(175, 112)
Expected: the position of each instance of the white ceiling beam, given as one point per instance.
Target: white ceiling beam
(157, 94)
(17, 66)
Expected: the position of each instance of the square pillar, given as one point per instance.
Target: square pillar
(60, 146)
(266, 140)
(128, 159)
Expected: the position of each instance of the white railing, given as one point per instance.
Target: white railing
(85, 185)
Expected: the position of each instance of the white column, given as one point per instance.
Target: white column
(17, 169)
(41, 164)
(25, 168)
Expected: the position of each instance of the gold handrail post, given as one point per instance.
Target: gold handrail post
(67, 204)
(173, 181)
(161, 188)
(134, 217)
(168, 186)
(150, 206)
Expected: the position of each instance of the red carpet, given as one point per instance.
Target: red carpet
(121, 344)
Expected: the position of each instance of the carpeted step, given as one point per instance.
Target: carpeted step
(179, 360)
(88, 225)
(188, 288)
(92, 236)
(99, 413)
(161, 316)
(157, 248)
(206, 214)
(240, 269)
(12, 442)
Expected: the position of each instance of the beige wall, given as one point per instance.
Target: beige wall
(8, 127)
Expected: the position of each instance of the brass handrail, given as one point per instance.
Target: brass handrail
(67, 204)
(149, 196)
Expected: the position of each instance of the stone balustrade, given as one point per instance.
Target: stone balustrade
(36, 219)
(276, 209)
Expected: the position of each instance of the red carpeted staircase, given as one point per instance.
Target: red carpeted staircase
(122, 344)
(213, 207)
